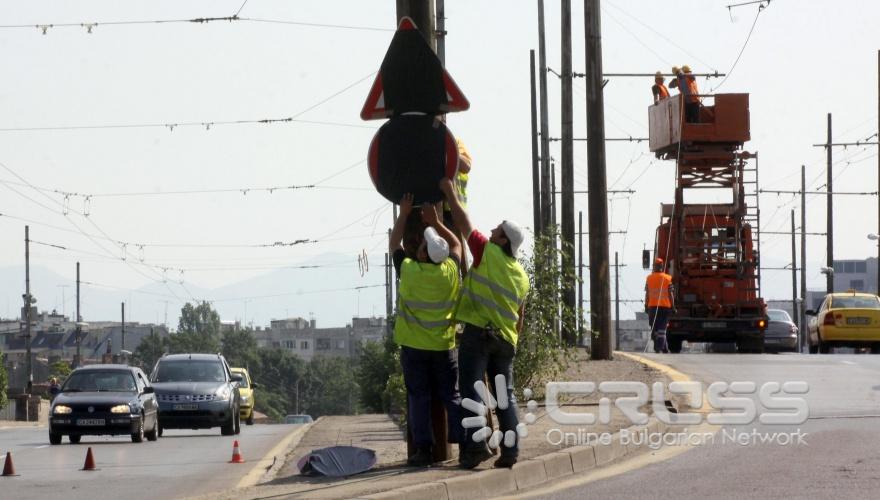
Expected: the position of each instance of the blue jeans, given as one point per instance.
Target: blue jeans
(484, 352)
(429, 375)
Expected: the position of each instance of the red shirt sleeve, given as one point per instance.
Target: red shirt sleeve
(477, 243)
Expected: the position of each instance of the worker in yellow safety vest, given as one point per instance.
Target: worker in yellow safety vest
(424, 327)
(492, 307)
(659, 304)
(461, 181)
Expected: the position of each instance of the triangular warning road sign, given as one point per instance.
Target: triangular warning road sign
(411, 79)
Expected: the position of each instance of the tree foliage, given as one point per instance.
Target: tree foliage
(151, 348)
(197, 331)
(540, 353)
(60, 369)
(329, 387)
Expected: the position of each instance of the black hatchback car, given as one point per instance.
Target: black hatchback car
(104, 399)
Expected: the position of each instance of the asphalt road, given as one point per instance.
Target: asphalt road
(841, 457)
(181, 463)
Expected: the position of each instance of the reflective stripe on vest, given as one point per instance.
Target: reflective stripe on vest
(426, 302)
(658, 290)
(461, 191)
(493, 293)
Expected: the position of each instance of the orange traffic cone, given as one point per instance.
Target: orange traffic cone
(8, 468)
(90, 461)
(236, 455)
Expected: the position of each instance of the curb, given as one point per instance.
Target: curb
(260, 472)
(536, 471)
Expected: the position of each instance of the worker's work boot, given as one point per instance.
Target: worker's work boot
(505, 461)
(421, 458)
(470, 457)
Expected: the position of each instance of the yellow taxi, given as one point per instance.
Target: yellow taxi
(846, 319)
(246, 391)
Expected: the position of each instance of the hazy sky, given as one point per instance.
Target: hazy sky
(804, 59)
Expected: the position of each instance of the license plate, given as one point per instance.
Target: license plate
(714, 324)
(858, 321)
(186, 407)
(90, 421)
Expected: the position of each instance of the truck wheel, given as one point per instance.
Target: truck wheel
(674, 345)
(749, 346)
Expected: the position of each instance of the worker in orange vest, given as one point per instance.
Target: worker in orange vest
(659, 304)
(686, 84)
(659, 89)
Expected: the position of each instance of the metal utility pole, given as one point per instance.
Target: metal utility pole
(802, 324)
(616, 303)
(829, 238)
(440, 32)
(568, 291)
(553, 194)
(78, 321)
(27, 309)
(580, 307)
(122, 346)
(422, 13)
(546, 197)
(794, 301)
(536, 175)
(597, 185)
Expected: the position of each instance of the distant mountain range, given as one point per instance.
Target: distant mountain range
(325, 293)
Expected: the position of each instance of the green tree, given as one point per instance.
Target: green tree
(60, 369)
(240, 348)
(277, 372)
(197, 331)
(541, 355)
(3, 382)
(151, 348)
(376, 365)
(329, 387)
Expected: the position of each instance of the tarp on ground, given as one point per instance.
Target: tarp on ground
(337, 461)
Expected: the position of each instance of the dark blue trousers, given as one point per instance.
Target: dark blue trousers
(485, 352)
(429, 375)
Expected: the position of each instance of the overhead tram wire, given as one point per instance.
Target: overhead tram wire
(90, 26)
(207, 124)
(761, 8)
(661, 35)
(93, 240)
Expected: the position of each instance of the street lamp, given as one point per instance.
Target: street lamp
(875, 237)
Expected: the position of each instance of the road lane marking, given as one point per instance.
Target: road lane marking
(253, 477)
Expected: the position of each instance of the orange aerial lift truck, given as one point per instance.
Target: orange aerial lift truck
(710, 248)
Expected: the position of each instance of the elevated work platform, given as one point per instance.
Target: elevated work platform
(724, 120)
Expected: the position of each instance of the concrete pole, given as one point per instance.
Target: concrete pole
(567, 182)
(802, 325)
(536, 173)
(546, 195)
(27, 309)
(597, 184)
(829, 238)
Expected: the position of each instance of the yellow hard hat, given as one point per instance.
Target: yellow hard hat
(686, 68)
(675, 70)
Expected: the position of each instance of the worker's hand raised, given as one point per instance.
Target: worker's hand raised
(406, 204)
(429, 214)
(446, 187)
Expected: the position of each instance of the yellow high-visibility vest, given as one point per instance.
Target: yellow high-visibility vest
(426, 302)
(493, 293)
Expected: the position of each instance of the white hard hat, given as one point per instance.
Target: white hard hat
(514, 234)
(438, 248)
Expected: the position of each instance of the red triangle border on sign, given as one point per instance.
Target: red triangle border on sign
(372, 110)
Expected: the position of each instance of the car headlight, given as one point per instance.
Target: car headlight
(244, 399)
(62, 410)
(120, 409)
(223, 394)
